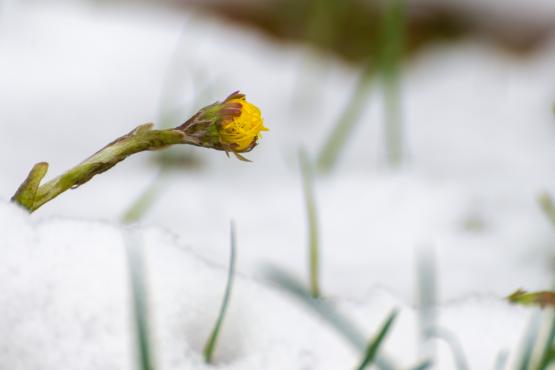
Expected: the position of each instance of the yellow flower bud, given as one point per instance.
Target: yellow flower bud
(240, 133)
(233, 125)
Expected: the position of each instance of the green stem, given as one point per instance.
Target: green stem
(32, 196)
(28, 189)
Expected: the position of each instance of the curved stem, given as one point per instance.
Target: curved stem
(32, 196)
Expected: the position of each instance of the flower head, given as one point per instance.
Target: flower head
(233, 125)
(241, 130)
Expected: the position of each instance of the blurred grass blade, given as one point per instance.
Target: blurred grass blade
(548, 206)
(548, 350)
(327, 312)
(428, 327)
(391, 50)
(456, 348)
(529, 343)
(549, 360)
(322, 17)
(144, 351)
(212, 340)
(375, 344)
(339, 136)
(146, 199)
(320, 21)
(312, 218)
(501, 360)
(427, 315)
(423, 365)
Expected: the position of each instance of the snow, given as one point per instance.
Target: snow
(479, 133)
(66, 301)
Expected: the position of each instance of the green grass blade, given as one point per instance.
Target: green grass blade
(348, 120)
(501, 360)
(327, 312)
(548, 354)
(549, 359)
(427, 315)
(312, 218)
(375, 344)
(391, 50)
(212, 340)
(426, 364)
(529, 343)
(146, 199)
(456, 348)
(144, 351)
(548, 206)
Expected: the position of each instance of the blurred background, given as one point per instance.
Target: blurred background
(426, 124)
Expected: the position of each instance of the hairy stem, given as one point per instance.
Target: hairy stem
(31, 195)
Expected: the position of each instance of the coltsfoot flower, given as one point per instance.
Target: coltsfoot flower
(233, 125)
(241, 132)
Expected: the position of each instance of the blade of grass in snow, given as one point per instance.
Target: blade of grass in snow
(456, 348)
(146, 199)
(339, 136)
(501, 360)
(212, 340)
(312, 218)
(375, 344)
(144, 351)
(423, 365)
(428, 316)
(427, 303)
(548, 206)
(326, 312)
(547, 353)
(391, 49)
(529, 343)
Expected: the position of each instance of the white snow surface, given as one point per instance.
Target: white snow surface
(479, 137)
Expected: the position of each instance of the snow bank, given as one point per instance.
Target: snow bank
(65, 303)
